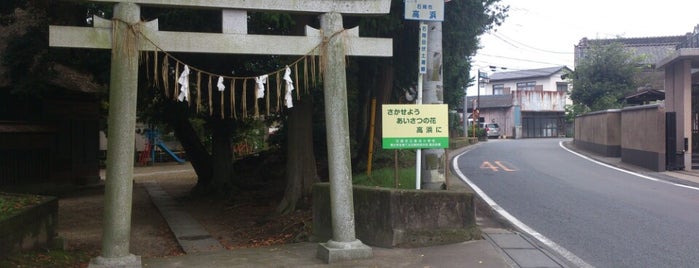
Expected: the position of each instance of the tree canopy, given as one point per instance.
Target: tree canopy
(465, 21)
(604, 76)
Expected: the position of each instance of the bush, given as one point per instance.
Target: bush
(385, 177)
(480, 133)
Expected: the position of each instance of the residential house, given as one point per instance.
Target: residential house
(671, 140)
(527, 103)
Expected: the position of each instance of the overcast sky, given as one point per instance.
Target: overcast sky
(540, 33)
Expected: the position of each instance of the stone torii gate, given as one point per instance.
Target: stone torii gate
(123, 41)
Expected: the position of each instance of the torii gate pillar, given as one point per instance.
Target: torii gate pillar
(118, 188)
(344, 245)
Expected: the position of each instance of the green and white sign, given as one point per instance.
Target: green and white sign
(411, 126)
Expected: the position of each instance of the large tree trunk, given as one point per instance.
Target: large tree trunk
(432, 173)
(301, 171)
(197, 154)
(382, 80)
(222, 183)
(360, 126)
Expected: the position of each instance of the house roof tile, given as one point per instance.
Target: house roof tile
(531, 73)
(653, 48)
(492, 101)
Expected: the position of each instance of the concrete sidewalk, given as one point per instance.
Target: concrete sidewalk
(479, 253)
(684, 177)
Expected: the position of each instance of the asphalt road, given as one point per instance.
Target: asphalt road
(604, 217)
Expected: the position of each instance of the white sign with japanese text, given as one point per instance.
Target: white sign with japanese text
(424, 10)
(423, 49)
(410, 126)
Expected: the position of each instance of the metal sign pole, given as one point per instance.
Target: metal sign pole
(422, 63)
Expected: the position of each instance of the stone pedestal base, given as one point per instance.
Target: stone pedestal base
(334, 251)
(129, 261)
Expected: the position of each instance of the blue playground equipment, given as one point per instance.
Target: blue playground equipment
(148, 154)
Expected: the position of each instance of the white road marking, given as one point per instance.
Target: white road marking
(560, 143)
(575, 260)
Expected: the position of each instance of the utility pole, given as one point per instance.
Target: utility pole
(429, 162)
(433, 93)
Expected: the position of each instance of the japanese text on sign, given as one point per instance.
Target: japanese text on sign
(415, 126)
(423, 49)
(424, 10)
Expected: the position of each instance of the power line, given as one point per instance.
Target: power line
(503, 37)
(526, 60)
(487, 65)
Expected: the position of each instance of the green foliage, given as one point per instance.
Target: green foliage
(574, 110)
(26, 56)
(456, 128)
(186, 20)
(464, 22)
(29, 60)
(11, 204)
(480, 132)
(48, 258)
(386, 177)
(459, 142)
(604, 76)
(8, 7)
(249, 137)
(272, 23)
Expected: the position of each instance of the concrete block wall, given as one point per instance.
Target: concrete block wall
(643, 136)
(390, 218)
(599, 132)
(636, 134)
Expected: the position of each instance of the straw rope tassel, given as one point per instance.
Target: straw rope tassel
(244, 98)
(305, 74)
(146, 58)
(321, 67)
(211, 99)
(279, 93)
(313, 69)
(164, 72)
(198, 91)
(177, 75)
(296, 76)
(223, 103)
(189, 95)
(257, 111)
(233, 113)
(267, 93)
(156, 80)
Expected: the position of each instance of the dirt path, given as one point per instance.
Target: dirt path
(240, 223)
